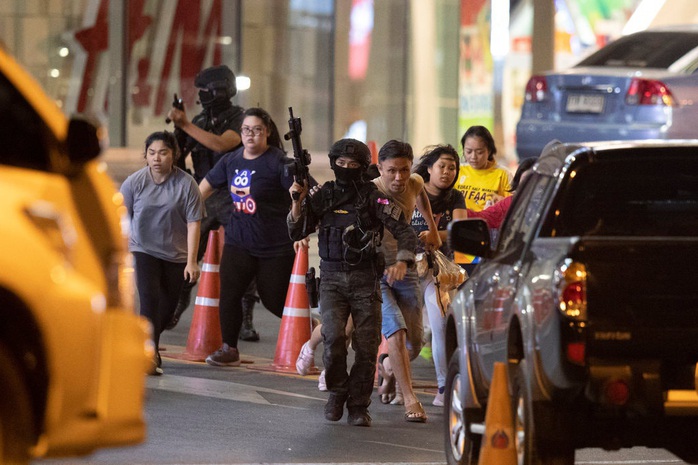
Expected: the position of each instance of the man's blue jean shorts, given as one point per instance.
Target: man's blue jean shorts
(402, 309)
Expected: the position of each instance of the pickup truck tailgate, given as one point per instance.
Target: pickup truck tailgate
(642, 297)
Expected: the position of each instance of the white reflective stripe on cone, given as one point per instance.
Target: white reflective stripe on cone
(297, 279)
(297, 312)
(210, 268)
(206, 302)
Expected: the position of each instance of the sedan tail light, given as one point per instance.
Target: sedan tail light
(648, 92)
(536, 89)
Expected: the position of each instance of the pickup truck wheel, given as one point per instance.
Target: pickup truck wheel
(527, 443)
(15, 413)
(462, 447)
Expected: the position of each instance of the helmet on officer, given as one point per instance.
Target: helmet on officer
(216, 85)
(350, 148)
(354, 150)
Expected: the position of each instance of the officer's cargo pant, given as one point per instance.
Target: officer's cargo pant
(355, 293)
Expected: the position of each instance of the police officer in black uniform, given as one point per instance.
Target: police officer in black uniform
(212, 133)
(350, 214)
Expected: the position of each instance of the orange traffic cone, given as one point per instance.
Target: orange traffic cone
(374, 151)
(295, 322)
(499, 443)
(205, 330)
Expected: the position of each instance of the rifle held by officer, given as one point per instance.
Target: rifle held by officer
(312, 286)
(301, 158)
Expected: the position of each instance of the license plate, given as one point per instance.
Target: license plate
(580, 103)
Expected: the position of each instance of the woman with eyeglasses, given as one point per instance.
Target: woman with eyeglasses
(257, 244)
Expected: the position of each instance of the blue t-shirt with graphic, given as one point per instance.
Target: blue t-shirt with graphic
(261, 201)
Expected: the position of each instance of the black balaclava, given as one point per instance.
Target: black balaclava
(214, 102)
(347, 176)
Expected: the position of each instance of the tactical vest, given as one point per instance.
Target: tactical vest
(348, 233)
(203, 158)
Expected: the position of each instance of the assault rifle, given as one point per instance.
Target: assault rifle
(178, 104)
(301, 158)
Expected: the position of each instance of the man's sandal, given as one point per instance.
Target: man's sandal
(415, 413)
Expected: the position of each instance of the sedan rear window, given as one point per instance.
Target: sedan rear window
(657, 197)
(644, 50)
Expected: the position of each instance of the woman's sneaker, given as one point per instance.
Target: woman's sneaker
(321, 384)
(306, 359)
(438, 400)
(226, 356)
(156, 370)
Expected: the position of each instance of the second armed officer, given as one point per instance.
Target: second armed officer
(350, 214)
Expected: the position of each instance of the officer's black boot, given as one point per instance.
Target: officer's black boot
(182, 305)
(359, 416)
(247, 332)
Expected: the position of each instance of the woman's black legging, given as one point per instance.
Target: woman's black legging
(159, 283)
(238, 268)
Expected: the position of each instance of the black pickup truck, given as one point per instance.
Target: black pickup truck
(590, 296)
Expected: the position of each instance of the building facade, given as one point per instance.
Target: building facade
(416, 70)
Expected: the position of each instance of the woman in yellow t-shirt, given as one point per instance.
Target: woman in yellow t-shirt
(480, 179)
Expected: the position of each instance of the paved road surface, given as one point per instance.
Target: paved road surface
(204, 415)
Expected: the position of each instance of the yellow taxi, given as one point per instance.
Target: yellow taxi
(73, 354)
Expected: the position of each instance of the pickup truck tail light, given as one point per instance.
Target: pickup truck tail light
(572, 290)
(536, 89)
(617, 392)
(576, 352)
(648, 92)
